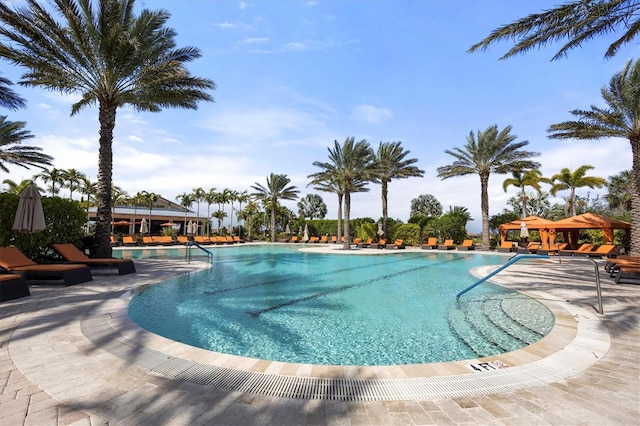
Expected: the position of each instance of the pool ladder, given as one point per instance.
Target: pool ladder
(192, 244)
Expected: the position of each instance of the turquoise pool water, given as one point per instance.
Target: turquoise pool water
(277, 303)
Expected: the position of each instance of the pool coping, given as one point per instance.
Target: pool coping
(576, 342)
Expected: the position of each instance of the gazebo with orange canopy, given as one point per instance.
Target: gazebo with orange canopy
(573, 225)
(544, 226)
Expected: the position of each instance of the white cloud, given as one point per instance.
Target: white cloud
(370, 114)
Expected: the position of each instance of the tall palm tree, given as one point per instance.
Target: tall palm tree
(17, 188)
(198, 195)
(140, 199)
(522, 179)
(118, 197)
(577, 21)
(88, 190)
(209, 197)
(493, 152)
(572, 180)
(426, 205)
(148, 199)
(54, 177)
(72, 180)
(277, 188)
(233, 197)
(8, 98)
(185, 200)
(101, 51)
(220, 215)
(392, 164)
(351, 166)
(620, 119)
(12, 134)
(243, 197)
(325, 181)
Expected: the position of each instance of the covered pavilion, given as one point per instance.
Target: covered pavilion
(544, 226)
(571, 226)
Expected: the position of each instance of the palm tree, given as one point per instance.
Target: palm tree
(251, 211)
(185, 200)
(8, 98)
(312, 206)
(139, 199)
(148, 198)
(577, 21)
(350, 167)
(620, 191)
(108, 56)
(209, 197)
(243, 197)
(198, 195)
(568, 180)
(621, 119)
(220, 215)
(426, 205)
(326, 182)
(276, 189)
(233, 196)
(72, 180)
(118, 197)
(391, 164)
(492, 152)
(12, 134)
(521, 180)
(54, 177)
(17, 188)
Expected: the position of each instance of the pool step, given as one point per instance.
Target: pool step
(494, 324)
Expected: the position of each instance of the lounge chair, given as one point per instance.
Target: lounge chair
(113, 241)
(202, 240)
(324, 239)
(165, 240)
(447, 245)
(182, 239)
(397, 244)
(548, 249)
(432, 243)
(382, 243)
(237, 239)
(365, 244)
(334, 239)
(129, 240)
(582, 250)
(506, 247)
(628, 272)
(611, 265)
(13, 260)
(467, 245)
(314, 240)
(601, 251)
(13, 286)
(293, 239)
(70, 253)
(532, 247)
(356, 241)
(149, 241)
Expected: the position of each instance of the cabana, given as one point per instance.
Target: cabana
(573, 225)
(544, 226)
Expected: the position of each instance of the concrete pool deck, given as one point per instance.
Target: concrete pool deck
(71, 356)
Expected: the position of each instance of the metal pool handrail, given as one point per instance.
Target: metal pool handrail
(193, 243)
(511, 261)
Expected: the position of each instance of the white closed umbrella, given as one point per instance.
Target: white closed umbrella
(287, 230)
(144, 228)
(306, 233)
(524, 231)
(29, 215)
(380, 230)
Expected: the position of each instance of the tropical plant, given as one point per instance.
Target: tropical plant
(426, 205)
(54, 177)
(572, 180)
(577, 21)
(209, 197)
(312, 206)
(233, 197)
(351, 166)
(243, 198)
(277, 188)
(72, 180)
(198, 195)
(391, 163)
(148, 199)
(185, 200)
(8, 98)
(621, 119)
(101, 51)
(250, 214)
(326, 182)
(17, 188)
(220, 215)
(522, 179)
(140, 199)
(537, 203)
(12, 135)
(620, 188)
(493, 152)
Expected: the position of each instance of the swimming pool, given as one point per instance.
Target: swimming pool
(274, 302)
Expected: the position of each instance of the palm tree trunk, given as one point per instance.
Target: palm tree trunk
(484, 205)
(524, 202)
(635, 199)
(573, 202)
(273, 221)
(340, 197)
(385, 213)
(107, 118)
(347, 212)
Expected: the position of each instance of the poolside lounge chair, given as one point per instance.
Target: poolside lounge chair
(237, 239)
(149, 241)
(294, 239)
(432, 243)
(531, 247)
(13, 260)
(182, 239)
(129, 240)
(582, 250)
(365, 244)
(165, 240)
(70, 253)
(467, 245)
(13, 286)
(313, 240)
(548, 249)
(334, 239)
(601, 251)
(447, 245)
(202, 240)
(113, 241)
(506, 247)
(397, 244)
(324, 239)
(612, 264)
(356, 241)
(628, 273)
(382, 243)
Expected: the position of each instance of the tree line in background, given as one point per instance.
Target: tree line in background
(111, 58)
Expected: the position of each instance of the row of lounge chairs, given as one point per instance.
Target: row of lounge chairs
(167, 240)
(432, 244)
(75, 268)
(561, 249)
(217, 240)
(624, 268)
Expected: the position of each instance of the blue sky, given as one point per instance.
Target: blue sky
(293, 76)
